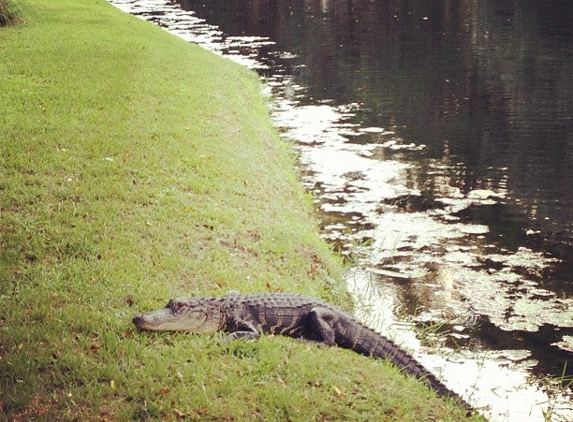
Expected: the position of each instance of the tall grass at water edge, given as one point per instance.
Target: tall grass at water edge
(136, 167)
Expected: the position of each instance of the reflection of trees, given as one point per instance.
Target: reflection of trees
(524, 68)
(490, 81)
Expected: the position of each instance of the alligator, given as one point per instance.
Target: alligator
(293, 315)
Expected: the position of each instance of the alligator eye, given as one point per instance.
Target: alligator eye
(177, 306)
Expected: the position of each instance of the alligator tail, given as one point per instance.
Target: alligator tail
(375, 345)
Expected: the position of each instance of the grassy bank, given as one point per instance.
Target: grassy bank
(136, 167)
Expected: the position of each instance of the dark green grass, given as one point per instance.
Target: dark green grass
(136, 167)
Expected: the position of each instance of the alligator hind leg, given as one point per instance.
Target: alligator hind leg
(320, 325)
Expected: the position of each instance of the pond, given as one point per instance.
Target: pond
(436, 138)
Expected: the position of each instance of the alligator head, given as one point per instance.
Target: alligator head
(182, 314)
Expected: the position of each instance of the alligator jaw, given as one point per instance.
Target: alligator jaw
(162, 319)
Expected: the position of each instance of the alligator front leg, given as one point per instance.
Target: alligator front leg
(244, 330)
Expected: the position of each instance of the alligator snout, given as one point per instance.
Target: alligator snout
(138, 321)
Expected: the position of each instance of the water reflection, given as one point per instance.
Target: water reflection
(437, 139)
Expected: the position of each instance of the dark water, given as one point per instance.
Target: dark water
(437, 139)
